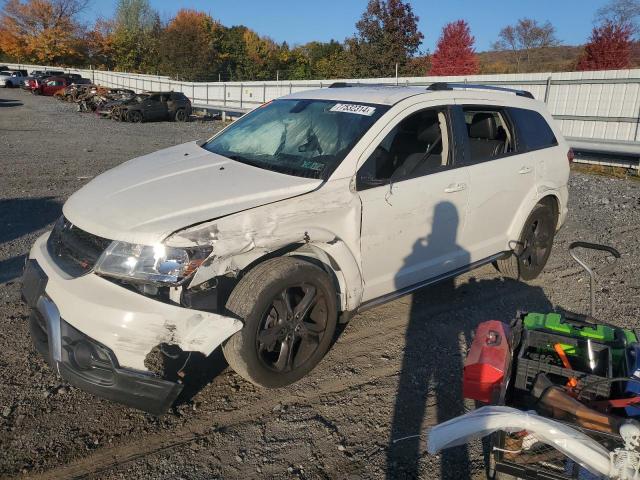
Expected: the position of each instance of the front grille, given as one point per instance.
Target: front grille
(74, 250)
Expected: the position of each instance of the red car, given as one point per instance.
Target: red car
(49, 85)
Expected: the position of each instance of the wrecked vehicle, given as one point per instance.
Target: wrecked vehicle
(300, 214)
(93, 98)
(49, 86)
(109, 107)
(151, 106)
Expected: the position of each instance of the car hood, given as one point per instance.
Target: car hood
(146, 199)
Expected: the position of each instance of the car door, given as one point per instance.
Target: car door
(500, 178)
(154, 109)
(413, 203)
(49, 87)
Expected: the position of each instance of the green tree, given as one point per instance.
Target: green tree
(387, 34)
(136, 36)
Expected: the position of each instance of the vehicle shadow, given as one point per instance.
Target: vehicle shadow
(20, 217)
(9, 103)
(199, 371)
(441, 323)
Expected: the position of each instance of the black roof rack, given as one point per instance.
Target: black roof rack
(364, 84)
(439, 86)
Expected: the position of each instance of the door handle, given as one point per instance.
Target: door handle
(455, 187)
(524, 170)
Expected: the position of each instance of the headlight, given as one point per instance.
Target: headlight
(151, 264)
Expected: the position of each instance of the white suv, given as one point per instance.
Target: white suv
(305, 211)
(10, 78)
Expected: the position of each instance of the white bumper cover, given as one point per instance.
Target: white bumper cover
(129, 323)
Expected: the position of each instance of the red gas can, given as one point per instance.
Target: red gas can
(487, 363)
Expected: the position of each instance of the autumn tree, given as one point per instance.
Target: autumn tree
(454, 53)
(98, 45)
(45, 31)
(189, 46)
(387, 34)
(609, 48)
(524, 39)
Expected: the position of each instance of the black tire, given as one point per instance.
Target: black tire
(35, 91)
(8, 84)
(134, 116)
(260, 351)
(531, 252)
(180, 115)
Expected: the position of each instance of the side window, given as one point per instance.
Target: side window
(490, 135)
(417, 146)
(533, 130)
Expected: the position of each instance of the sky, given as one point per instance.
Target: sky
(300, 21)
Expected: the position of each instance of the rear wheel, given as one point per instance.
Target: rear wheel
(533, 248)
(134, 116)
(8, 84)
(35, 91)
(290, 313)
(181, 115)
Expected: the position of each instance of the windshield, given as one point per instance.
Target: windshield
(306, 138)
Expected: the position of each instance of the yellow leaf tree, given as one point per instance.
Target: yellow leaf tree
(44, 31)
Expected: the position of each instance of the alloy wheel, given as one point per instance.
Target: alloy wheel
(292, 328)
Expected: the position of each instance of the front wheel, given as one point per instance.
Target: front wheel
(290, 312)
(531, 252)
(133, 116)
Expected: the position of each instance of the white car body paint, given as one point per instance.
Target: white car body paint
(186, 196)
(148, 198)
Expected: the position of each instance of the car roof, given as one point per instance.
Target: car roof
(377, 94)
(392, 94)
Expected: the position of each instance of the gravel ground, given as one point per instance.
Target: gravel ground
(393, 371)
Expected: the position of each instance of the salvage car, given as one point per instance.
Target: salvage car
(151, 106)
(304, 212)
(49, 85)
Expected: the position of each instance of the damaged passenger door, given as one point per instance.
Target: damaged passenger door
(413, 203)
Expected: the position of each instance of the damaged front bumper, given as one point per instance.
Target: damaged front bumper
(92, 367)
(97, 334)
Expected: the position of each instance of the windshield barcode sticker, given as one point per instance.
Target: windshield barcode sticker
(352, 108)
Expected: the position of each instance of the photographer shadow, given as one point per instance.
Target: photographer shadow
(442, 319)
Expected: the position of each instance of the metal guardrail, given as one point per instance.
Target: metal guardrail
(575, 102)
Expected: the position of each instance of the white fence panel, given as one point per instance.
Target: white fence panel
(589, 105)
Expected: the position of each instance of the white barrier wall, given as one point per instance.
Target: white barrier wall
(601, 105)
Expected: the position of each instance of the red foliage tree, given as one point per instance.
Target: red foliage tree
(454, 53)
(609, 48)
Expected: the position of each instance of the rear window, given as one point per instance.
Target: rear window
(534, 132)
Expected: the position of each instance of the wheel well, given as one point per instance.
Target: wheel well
(554, 202)
(297, 250)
